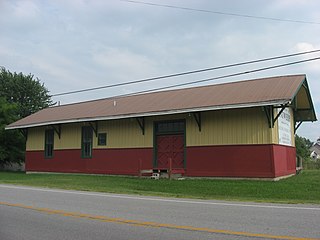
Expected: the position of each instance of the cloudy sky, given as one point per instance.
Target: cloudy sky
(78, 44)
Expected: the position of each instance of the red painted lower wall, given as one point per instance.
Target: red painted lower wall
(284, 159)
(103, 161)
(267, 161)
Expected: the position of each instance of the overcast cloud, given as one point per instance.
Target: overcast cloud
(71, 45)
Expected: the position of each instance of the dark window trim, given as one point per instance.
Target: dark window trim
(83, 143)
(182, 131)
(105, 139)
(46, 144)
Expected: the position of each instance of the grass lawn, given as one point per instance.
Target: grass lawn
(303, 188)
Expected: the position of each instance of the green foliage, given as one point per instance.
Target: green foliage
(11, 142)
(20, 96)
(311, 164)
(25, 91)
(302, 147)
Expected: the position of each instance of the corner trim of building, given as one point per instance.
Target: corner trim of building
(244, 178)
(184, 177)
(283, 177)
(81, 174)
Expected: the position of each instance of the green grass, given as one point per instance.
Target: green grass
(303, 188)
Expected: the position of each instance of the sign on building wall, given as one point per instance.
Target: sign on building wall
(284, 126)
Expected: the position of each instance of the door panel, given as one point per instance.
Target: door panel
(170, 146)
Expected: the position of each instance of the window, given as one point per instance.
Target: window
(170, 127)
(86, 143)
(49, 140)
(102, 139)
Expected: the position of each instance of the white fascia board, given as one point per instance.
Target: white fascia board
(149, 114)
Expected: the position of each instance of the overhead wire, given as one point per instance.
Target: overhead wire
(217, 78)
(219, 12)
(185, 73)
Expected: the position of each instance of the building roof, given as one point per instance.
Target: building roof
(273, 91)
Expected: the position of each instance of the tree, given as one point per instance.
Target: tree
(25, 91)
(20, 96)
(302, 147)
(11, 142)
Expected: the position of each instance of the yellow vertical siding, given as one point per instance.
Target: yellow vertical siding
(223, 127)
(275, 132)
(70, 136)
(302, 99)
(125, 133)
(35, 140)
(292, 128)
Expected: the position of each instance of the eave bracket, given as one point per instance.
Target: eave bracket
(57, 130)
(197, 117)
(298, 124)
(141, 123)
(269, 111)
(24, 132)
(283, 107)
(94, 127)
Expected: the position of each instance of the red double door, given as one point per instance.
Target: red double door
(170, 147)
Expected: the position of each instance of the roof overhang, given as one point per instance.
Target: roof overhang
(156, 113)
(302, 104)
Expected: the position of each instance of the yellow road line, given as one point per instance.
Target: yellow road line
(151, 224)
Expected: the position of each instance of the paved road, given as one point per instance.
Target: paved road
(38, 213)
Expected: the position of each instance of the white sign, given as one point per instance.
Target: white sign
(284, 127)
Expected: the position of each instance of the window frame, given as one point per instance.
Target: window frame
(99, 139)
(170, 127)
(48, 143)
(86, 142)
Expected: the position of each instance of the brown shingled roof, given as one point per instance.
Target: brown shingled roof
(259, 92)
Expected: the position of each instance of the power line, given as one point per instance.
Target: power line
(184, 73)
(217, 78)
(220, 13)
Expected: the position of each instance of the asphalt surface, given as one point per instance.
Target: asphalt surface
(39, 213)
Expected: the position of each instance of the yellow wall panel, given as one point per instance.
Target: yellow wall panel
(222, 127)
(35, 140)
(125, 133)
(275, 131)
(292, 128)
(302, 99)
(70, 137)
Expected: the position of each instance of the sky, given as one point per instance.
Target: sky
(78, 44)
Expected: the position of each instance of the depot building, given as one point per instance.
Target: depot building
(238, 129)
